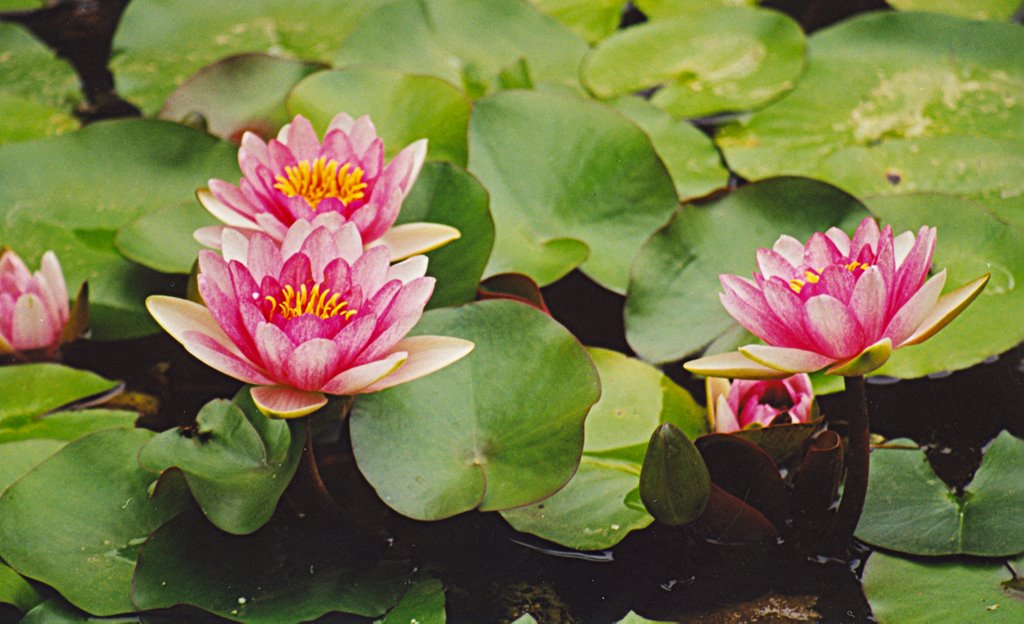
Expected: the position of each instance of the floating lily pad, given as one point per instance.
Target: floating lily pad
(238, 94)
(633, 618)
(236, 461)
(423, 603)
(591, 19)
(690, 156)
(162, 239)
(15, 590)
(920, 591)
(572, 184)
(911, 510)
(503, 427)
(894, 103)
(404, 107)
(31, 390)
(658, 9)
(37, 89)
(590, 512)
(672, 306)
(712, 61)
(281, 573)
(160, 43)
(73, 192)
(17, 458)
(444, 38)
(77, 520)
(1000, 10)
(971, 241)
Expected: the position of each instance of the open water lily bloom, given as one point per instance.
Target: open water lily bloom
(315, 315)
(745, 403)
(35, 318)
(340, 180)
(836, 302)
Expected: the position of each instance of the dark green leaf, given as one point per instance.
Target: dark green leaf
(423, 603)
(37, 89)
(674, 484)
(16, 591)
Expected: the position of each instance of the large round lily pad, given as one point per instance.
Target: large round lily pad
(76, 521)
(404, 107)
(469, 44)
(37, 89)
(923, 591)
(971, 241)
(712, 61)
(894, 103)
(672, 307)
(658, 9)
(503, 427)
(591, 19)
(160, 43)
(73, 192)
(911, 510)
(590, 512)
(572, 183)
(1000, 10)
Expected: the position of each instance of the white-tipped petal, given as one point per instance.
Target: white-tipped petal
(410, 239)
(947, 308)
(358, 378)
(408, 270)
(427, 354)
(286, 402)
(786, 359)
(222, 211)
(734, 365)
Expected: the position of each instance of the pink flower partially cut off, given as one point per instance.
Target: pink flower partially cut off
(316, 315)
(296, 176)
(837, 302)
(744, 404)
(35, 318)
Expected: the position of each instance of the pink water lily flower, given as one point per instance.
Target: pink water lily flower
(837, 302)
(35, 318)
(315, 315)
(296, 176)
(745, 404)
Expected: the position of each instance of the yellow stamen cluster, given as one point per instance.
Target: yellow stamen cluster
(305, 301)
(853, 266)
(812, 277)
(322, 179)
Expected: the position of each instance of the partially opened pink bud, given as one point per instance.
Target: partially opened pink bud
(35, 318)
(837, 302)
(312, 316)
(745, 404)
(340, 180)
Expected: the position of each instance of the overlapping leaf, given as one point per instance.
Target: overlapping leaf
(37, 90)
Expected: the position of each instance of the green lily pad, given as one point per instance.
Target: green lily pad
(919, 591)
(76, 521)
(911, 510)
(37, 89)
(672, 306)
(162, 239)
(712, 61)
(281, 573)
(443, 38)
(160, 43)
(591, 19)
(572, 184)
(423, 603)
(999, 10)
(590, 512)
(17, 458)
(894, 103)
(971, 241)
(690, 156)
(633, 618)
(659, 9)
(238, 94)
(73, 192)
(445, 193)
(236, 461)
(15, 590)
(404, 107)
(674, 484)
(31, 390)
(503, 427)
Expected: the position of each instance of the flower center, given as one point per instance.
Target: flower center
(776, 395)
(291, 303)
(322, 179)
(812, 277)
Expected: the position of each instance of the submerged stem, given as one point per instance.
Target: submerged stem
(855, 487)
(307, 488)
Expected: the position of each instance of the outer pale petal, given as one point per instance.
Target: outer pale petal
(909, 317)
(222, 211)
(410, 239)
(840, 239)
(734, 365)
(790, 248)
(285, 402)
(774, 264)
(786, 360)
(50, 268)
(32, 326)
(357, 378)
(427, 354)
(407, 163)
(408, 270)
(867, 234)
(947, 308)
(724, 420)
(715, 387)
(864, 362)
(234, 245)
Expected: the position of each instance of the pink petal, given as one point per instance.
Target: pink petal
(400, 317)
(227, 215)
(407, 270)
(790, 248)
(902, 245)
(253, 146)
(774, 264)
(866, 234)
(840, 239)
(749, 307)
(350, 243)
(869, 302)
(724, 420)
(264, 257)
(209, 236)
(51, 271)
(407, 164)
(371, 269)
(947, 308)
(908, 318)
(285, 402)
(912, 273)
(341, 121)
(415, 238)
(224, 309)
(275, 348)
(362, 134)
(427, 354)
(295, 237)
(220, 356)
(302, 139)
(234, 246)
(832, 327)
(356, 379)
(869, 359)
(352, 339)
(321, 249)
(32, 327)
(821, 252)
(785, 359)
(312, 364)
(836, 281)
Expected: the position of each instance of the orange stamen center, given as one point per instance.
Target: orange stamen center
(322, 179)
(319, 301)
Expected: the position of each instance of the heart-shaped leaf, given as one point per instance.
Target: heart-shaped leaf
(77, 520)
(590, 512)
(236, 461)
(501, 428)
(560, 194)
(674, 483)
(909, 509)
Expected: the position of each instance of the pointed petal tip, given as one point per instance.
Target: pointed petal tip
(286, 402)
(734, 365)
(947, 308)
(871, 358)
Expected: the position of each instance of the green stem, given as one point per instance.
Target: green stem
(855, 487)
